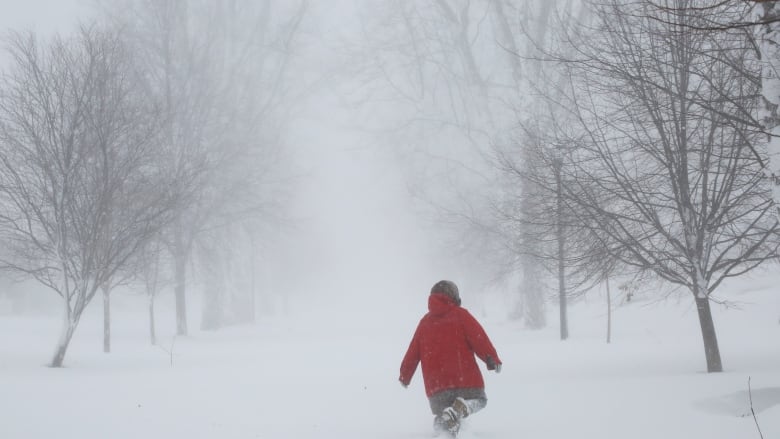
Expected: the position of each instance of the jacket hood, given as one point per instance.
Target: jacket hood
(439, 304)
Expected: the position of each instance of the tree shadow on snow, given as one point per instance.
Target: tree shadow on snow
(738, 403)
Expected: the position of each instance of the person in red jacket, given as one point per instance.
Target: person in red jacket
(445, 342)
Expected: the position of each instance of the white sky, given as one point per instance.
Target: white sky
(45, 17)
(42, 15)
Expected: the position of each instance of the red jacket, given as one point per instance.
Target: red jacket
(445, 341)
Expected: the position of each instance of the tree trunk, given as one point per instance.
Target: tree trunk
(609, 314)
(561, 252)
(711, 350)
(532, 296)
(212, 312)
(211, 317)
(106, 319)
(152, 332)
(770, 84)
(68, 327)
(253, 281)
(508, 39)
(180, 267)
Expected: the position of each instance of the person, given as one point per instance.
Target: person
(446, 341)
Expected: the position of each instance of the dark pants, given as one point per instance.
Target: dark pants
(475, 399)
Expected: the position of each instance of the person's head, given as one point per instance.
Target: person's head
(448, 288)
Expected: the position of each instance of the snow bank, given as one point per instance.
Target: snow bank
(331, 371)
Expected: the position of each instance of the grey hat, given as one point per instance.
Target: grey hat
(447, 287)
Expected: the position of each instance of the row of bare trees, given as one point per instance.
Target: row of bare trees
(611, 139)
(143, 144)
(81, 188)
(222, 75)
(665, 158)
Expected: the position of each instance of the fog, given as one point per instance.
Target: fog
(45, 16)
(349, 218)
(226, 217)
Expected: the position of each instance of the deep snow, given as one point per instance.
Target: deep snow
(328, 369)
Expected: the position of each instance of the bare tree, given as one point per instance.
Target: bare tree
(543, 220)
(222, 71)
(521, 198)
(79, 182)
(535, 213)
(450, 68)
(666, 148)
(153, 275)
(761, 20)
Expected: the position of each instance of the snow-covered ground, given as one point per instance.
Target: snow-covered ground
(329, 370)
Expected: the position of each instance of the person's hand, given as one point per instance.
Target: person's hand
(492, 365)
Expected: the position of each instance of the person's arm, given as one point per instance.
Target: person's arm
(411, 360)
(480, 343)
